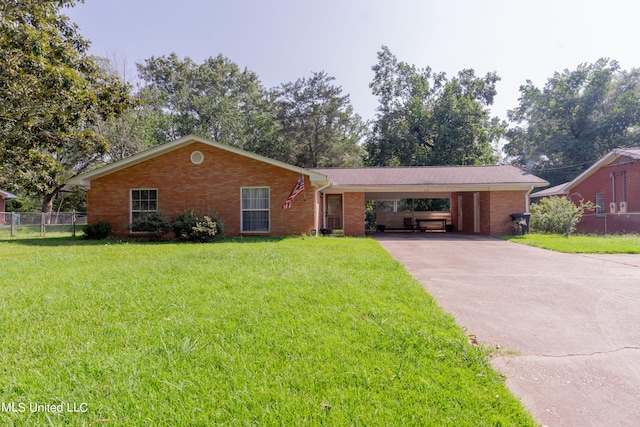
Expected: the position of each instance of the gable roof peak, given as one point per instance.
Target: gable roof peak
(84, 179)
(633, 152)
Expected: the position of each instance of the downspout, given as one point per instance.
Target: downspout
(316, 212)
(613, 199)
(613, 187)
(527, 200)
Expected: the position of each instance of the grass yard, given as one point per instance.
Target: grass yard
(33, 231)
(583, 244)
(286, 332)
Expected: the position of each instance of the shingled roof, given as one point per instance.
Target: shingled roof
(431, 176)
(7, 195)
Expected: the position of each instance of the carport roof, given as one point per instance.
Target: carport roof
(431, 176)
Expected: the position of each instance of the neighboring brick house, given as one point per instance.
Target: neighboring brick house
(247, 190)
(4, 195)
(613, 185)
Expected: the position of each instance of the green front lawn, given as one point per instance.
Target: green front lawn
(315, 331)
(583, 244)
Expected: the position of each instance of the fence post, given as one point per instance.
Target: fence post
(13, 225)
(43, 231)
(73, 223)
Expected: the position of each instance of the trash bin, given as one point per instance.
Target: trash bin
(520, 222)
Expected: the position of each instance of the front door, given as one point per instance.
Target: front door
(334, 211)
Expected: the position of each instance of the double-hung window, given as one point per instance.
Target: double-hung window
(255, 209)
(600, 204)
(143, 201)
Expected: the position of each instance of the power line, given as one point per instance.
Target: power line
(566, 167)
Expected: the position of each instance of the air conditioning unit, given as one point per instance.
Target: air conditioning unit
(623, 207)
(612, 207)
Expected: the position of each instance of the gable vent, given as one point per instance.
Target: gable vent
(197, 157)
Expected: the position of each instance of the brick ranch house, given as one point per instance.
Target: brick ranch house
(247, 191)
(613, 184)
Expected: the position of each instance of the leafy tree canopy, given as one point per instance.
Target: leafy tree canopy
(307, 123)
(426, 119)
(576, 118)
(318, 124)
(215, 99)
(51, 93)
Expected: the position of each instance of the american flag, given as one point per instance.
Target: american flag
(299, 188)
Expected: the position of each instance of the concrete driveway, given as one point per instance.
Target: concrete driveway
(567, 326)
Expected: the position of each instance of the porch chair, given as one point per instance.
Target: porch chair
(408, 224)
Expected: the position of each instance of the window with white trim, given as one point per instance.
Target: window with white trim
(600, 204)
(255, 205)
(143, 201)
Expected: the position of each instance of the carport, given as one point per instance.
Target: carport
(480, 199)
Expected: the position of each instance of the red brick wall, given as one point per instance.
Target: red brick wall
(212, 186)
(495, 208)
(601, 182)
(615, 223)
(354, 214)
(502, 205)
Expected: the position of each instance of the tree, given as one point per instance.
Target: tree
(51, 95)
(462, 132)
(557, 215)
(575, 119)
(425, 119)
(318, 124)
(137, 128)
(397, 135)
(215, 99)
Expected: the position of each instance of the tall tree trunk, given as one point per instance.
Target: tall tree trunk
(47, 203)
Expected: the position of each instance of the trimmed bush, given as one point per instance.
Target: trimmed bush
(192, 226)
(557, 215)
(183, 224)
(155, 224)
(97, 231)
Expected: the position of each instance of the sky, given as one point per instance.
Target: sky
(284, 40)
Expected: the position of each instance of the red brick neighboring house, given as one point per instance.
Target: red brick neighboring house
(247, 191)
(613, 184)
(4, 195)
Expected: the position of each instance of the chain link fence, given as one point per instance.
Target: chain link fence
(22, 223)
